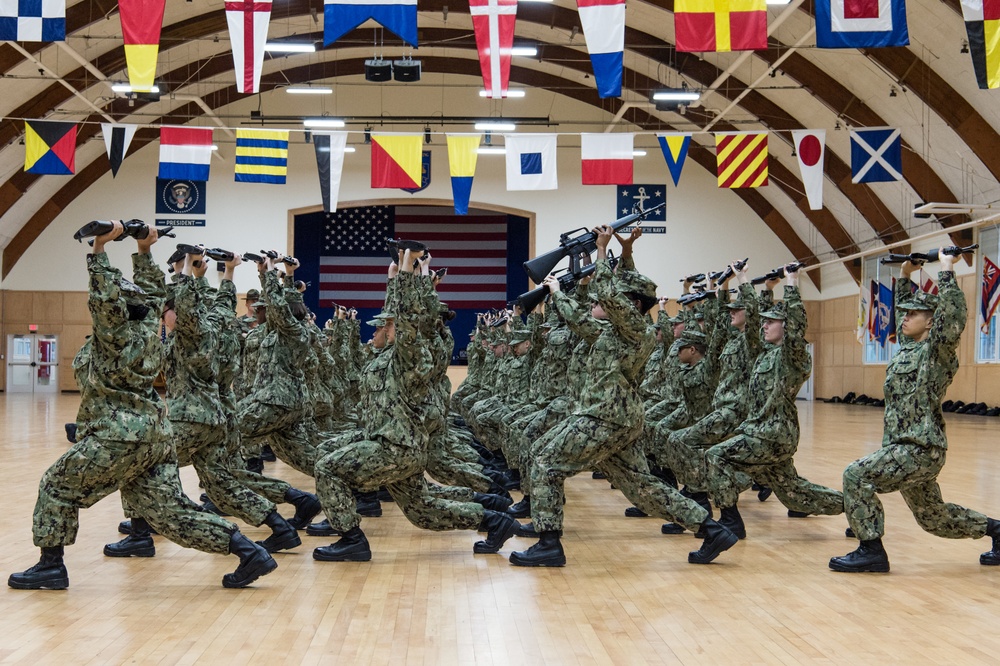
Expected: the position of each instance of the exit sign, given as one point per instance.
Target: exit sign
(32, 328)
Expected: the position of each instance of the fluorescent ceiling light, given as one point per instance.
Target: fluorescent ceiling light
(510, 93)
(529, 51)
(309, 90)
(536, 0)
(638, 153)
(322, 122)
(676, 96)
(493, 151)
(126, 88)
(778, 2)
(347, 149)
(496, 126)
(289, 47)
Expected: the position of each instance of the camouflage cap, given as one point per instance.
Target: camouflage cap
(692, 337)
(252, 295)
(130, 288)
(738, 304)
(637, 283)
(777, 311)
(380, 319)
(676, 319)
(259, 303)
(520, 335)
(919, 300)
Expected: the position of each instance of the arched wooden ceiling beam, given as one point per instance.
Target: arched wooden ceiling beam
(89, 174)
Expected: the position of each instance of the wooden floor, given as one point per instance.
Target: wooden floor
(627, 596)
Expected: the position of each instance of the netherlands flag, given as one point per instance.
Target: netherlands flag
(603, 23)
(607, 159)
(185, 152)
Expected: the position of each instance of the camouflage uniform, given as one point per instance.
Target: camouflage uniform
(603, 430)
(913, 441)
(767, 439)
(127, 444)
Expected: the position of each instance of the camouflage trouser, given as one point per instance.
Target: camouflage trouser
(582, 443)
(145, 473)
(528, 431)
(770, 464)
(913, 471)
(365, 464)
(453, 493)
(448, 469)
(274, 490)
(484, 418)
(459, 396)
(290, 432)
(459, 445)
(655, 413)
(685, 451)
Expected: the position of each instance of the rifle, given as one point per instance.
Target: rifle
(530, 299)
(575, 247)
(778, 273)
(135, 228)
(927, 257)
(687, 299)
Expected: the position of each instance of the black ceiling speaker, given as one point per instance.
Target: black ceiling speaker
(378, 70)
(406, 71)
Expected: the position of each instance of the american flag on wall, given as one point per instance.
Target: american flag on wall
(353, 260)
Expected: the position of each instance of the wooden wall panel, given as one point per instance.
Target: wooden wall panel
(56, 313)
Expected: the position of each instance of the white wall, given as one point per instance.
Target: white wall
(706, 227)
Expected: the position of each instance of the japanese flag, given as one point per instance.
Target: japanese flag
(810, 149)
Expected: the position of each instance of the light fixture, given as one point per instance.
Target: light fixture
(322, 122)
(495, 126)
(965, 46)
(510, 93)
(529, 51)
(488, 150)
(892, 91)
(427, 134)
(290, 47)
(347, 149)
(309, 90)
(350, 149)
(126, 88)
(778, 2)
(368, 135)
(638, 153)
(681, 95)
(214, 147)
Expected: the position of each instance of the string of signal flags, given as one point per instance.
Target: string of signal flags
(398, 162)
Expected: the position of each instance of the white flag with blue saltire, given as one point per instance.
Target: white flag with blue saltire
(876, 155)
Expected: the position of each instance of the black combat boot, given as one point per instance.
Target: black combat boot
(49, 574)
(368, 504)
(255, 561)
(672, 528)
(869, 557)
(384, 495)
(492, 502)
(71, 433)
(139, 542)
(499, 527)
(599, 476)
(283, 536)
(211, 507)
(548, 552)
(521, 509)
(763, 492)
(992, 557)
(798, 514)
(512, 480)
(125, 527)
(322, 529)
(255, 465)
(352, 547)
(267, 454)
(733, 521)
(497, 488)
(717, 539)
(635, 512)
(306, 505)
(849, 533)
(526, 531)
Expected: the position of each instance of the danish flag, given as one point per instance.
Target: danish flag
(248, 21)
(493, 23)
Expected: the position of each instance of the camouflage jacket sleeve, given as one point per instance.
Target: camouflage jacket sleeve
(194, 331)
(627, 321)
(752, 328)
(949, 317)
(535, 321)
(150, 277)
(627, 263)
(106, 303)
(794, 353)
(279, 301)
(577, 318)
(412, 362)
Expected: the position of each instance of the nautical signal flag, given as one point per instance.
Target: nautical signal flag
(741, 158)
(493, 23)
(397, 16)
(462, 156)
(531, 161)
(141, 23)
(606, 159)
(185, 153)
(603, 23)
(396, 160)
(40, 21)
(49, 147)
(117, 139)
(982, 24)
(720, 25)
(674, 146)
(856, 24)
(810, 147)
(248, 21)
(991, 293)
(330, 164)
(876, 155)
(261, 156)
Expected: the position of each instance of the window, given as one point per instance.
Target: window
(987, 344)
(875, 352)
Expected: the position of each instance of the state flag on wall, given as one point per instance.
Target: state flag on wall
(397, 160)
(674, 146)
(741, 158)
(606, 159)
(330, 165)
(864, 315)
(463, 153)
(982, 24)
(397, 16)
(493, 24)
(857, 24)
(261, 156)
(185, 153)
(603, 23)
(38, 21)
(141, 23)
(885, 316)
(990, 293)
(720, 25)
(531, 161)
(810, 148)
(117, 139)
(876, 155)
(49, 147)
(248, 21)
